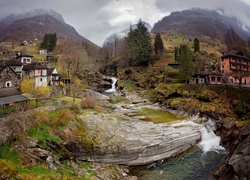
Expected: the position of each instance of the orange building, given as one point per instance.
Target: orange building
(234, 66)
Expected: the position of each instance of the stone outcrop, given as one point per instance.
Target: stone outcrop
(117, 139)
(237, 163)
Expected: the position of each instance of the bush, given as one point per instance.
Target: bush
(75, 108)
(60, 117)
(18, 123)
(7, 170)
(241, 108)
(90, 103)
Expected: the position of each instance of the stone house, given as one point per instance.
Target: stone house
(38, 72)
(210, 78)
(24, 58)
(8, 77)
(16, 65)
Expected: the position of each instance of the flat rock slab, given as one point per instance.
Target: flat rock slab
(135, 142)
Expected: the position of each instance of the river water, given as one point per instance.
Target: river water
(199, 163)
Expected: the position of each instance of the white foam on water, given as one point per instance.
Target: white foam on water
(209, 141)
(114, 80)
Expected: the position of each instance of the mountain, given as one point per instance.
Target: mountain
(122, 34)
(35, 24)
(200, 22)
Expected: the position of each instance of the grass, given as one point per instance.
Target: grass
(129, 85)
(42, 133)
(158, 116)
(6, 111)
(69, 99)
(117, 99)
(7, 154)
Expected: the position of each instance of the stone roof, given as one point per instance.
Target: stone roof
(23, 54)
(9, 91)
(50, 71)
(13, 99)
(34, 65)
(14, 62)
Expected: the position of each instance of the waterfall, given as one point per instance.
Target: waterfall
(114, 80)
(209, 141)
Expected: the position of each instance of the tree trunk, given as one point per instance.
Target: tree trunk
(36, 103)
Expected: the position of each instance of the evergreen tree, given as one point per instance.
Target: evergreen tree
(176, 54)
(196, 45)
(49, 42)
(158, 45)
(139, 42)
(185, 59)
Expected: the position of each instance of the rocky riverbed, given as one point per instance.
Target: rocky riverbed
(124, 138)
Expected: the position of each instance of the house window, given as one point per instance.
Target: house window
(44, 72)
(218, 79)
(28, 60)
(41, 79)
(8, 84)
(213, 79)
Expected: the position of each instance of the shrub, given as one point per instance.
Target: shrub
(75, 108)
(59, 117)
(18, 123)
(7, 170)
(241, 108)
(90, 103)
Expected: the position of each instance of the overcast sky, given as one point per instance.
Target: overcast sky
(98, 19)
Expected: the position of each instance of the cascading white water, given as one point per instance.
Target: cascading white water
(209, 141)
(114, 80)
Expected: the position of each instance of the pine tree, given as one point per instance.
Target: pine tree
(185, 59)
(49, 42)
(196, 45)
(158, 45)
(139, 43)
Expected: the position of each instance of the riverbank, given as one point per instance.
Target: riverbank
(102, 132)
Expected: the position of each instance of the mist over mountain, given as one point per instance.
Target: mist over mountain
(35, 24)
(123, 33)
(200, 22)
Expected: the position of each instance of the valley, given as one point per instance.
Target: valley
(146, 105)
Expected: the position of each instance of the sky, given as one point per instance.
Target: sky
(98, 19)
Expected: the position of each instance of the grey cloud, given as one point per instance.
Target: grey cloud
(97, 19)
